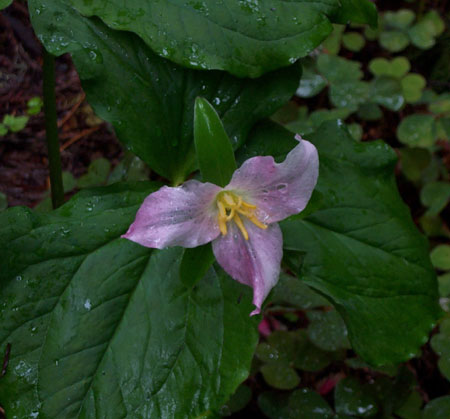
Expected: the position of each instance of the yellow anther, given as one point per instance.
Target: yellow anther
(257, 223)
(223, 226)
(222, 211)
(250, 206)
(229, 200)
(240, 224)
(230, 205)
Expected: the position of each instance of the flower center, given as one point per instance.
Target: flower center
(230, 206)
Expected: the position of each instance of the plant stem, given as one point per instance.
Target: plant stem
(51, 129)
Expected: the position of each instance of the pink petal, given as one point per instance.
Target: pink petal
(182, 216)
(254, 262)
(278, 190)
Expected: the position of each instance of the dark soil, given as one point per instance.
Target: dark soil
(23, 155)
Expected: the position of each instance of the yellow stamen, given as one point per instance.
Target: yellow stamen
(250, 206)
(240, 224)
(229, 200)
(223, 226)
(222, 211)
(257, 223)
(230, 205)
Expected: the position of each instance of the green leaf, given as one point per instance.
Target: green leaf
(3, 130)
(393, 41)
(338, 69)
(423, 33)
(440, 104)
(358, 363)
(369, 111)
(34, 105)
(361, 248)
(351, 399)
(309, 357)
(437, 409)
(358, 11)
(411, 409)
(152, 110)
(15, 123)
(414, 162)
(353, 41)
(292, 292)
(300, 404)
(441, 345)
(3, 201)
(96, 175)
(387, 91)
(417, 130)
(5, 3)
(349, 94)
(327, 330)
(412, 86)
(99, 325)
(245, 38)
(263, 144)
(436, 196)
(311, 82)
(397, 67)
(195, 264)
(213, 148)
(440, 257)
(280, 375)
(237, 402)
(444, 285)
(332, 44)
(401, 19)
(130, 168)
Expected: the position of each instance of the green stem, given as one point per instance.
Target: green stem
(51, 129)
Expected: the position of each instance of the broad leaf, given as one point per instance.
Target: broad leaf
(245, 38)
(361, 248)
(149, 100)
(102, 327)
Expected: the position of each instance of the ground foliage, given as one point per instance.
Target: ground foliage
(380, 82)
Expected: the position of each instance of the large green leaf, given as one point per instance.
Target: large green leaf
(361, 248)
(102, 327)
(243, 37)
(149, 100)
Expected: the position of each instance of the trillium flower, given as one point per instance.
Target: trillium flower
(241, 219)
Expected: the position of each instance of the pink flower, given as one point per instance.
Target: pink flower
(240, 219)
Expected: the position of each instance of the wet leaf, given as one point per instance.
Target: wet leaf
(100, 324)
(292, 292)
(351, 399)
(387, 91)
(327, 330)
(246, 38)
(152, 110)
(437, 409)
(300, 404)
(280, 375)
(417, 130)
(361, 248)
